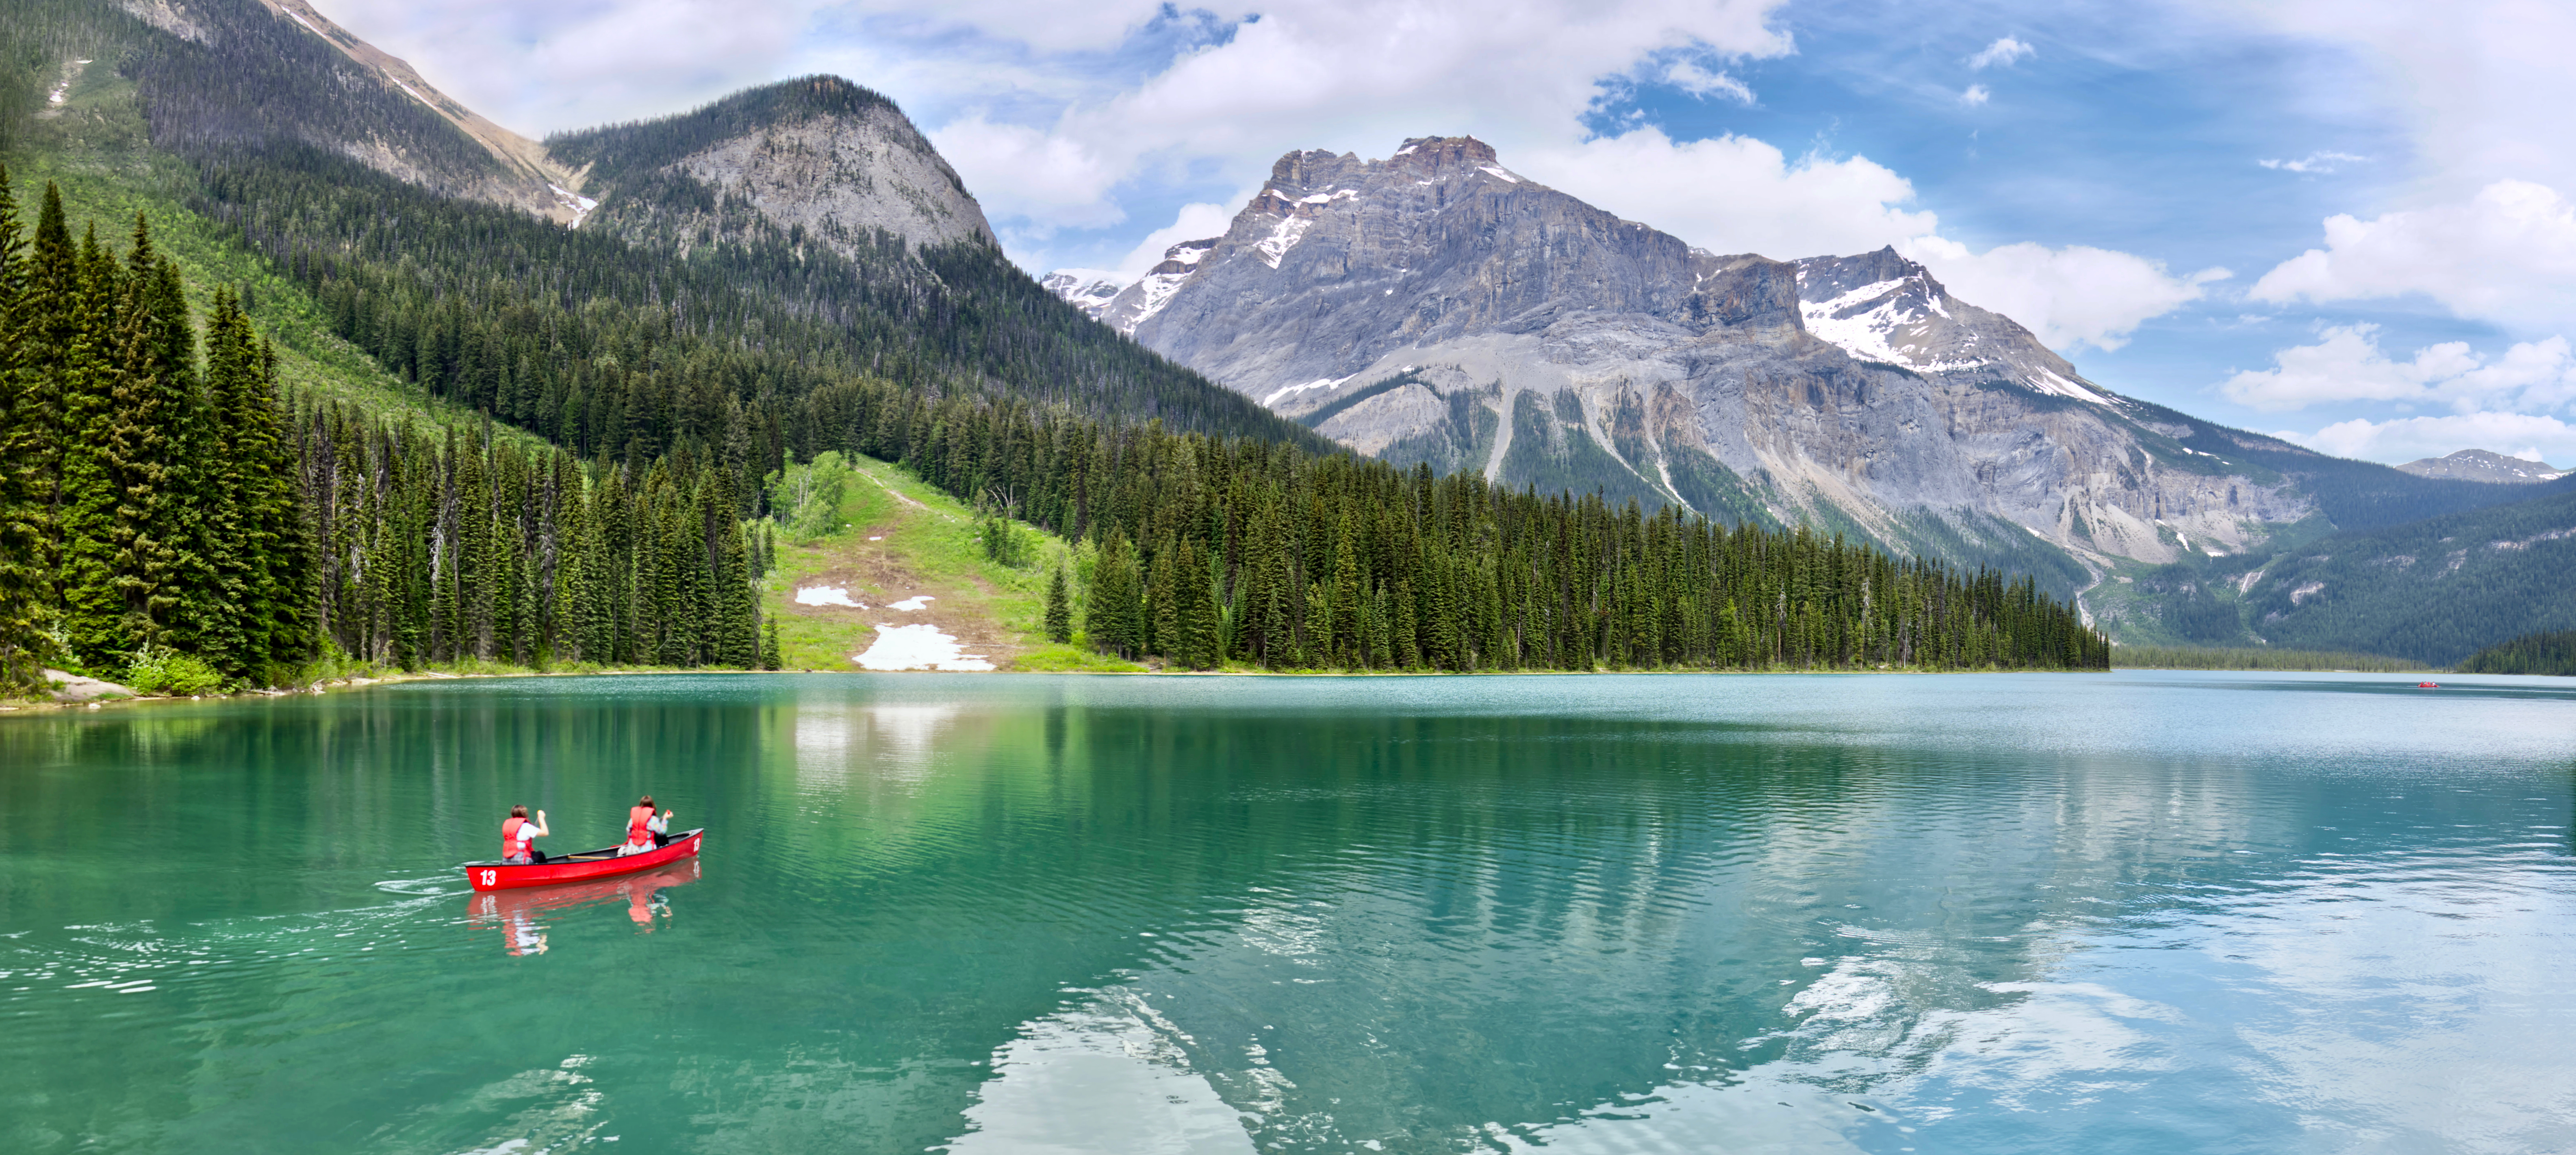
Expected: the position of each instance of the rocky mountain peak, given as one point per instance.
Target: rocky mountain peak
(1435, 307)
(1883, 308)
(817, 157)
(1438, 156)
(1820, 278)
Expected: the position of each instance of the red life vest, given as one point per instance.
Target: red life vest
(637, 833)
(514, 839)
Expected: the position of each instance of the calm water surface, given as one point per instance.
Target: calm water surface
(2123, 913)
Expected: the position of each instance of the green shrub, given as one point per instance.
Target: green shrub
(167, 672)
(807, 498)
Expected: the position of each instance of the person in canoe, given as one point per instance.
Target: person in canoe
(517, 833)
(644, 831)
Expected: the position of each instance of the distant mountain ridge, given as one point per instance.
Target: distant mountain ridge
(2433, 589)
(2480, 465)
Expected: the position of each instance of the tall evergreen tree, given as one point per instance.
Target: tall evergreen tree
(1059, 613)
(26, 440)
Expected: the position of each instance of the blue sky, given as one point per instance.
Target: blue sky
(2094, 170)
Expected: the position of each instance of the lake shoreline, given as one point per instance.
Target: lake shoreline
(350, 685)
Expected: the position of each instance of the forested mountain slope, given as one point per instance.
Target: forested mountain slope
(672, 378)
(478, 299)
(152, 503)
(2433, 589)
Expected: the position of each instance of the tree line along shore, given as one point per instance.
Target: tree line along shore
(163, 508)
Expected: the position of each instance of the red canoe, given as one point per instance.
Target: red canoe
(581, 867)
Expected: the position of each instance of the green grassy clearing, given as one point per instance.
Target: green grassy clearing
(928, 544)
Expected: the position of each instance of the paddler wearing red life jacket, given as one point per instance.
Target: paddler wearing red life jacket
(644, 831)
(517, 849)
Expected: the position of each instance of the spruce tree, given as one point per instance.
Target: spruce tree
(1162, 600)
(24, 443)
(1059, 614)
(91, 608)
(1197, 612)
(769, 658)
(1110, 606)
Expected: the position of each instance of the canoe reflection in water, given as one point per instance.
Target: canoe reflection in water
(525, 915)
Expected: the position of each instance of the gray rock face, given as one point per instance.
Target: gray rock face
(1435, 306)
(2480, 465)
(843, 174)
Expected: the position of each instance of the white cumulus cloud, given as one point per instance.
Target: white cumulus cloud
(2532, 437)
(2506, 255)
(1734, 194)
(2004, 51)
(543, 67)
(1345, 75)
(2347, 364)
(2077, 295)
(1194, 223)
(1976, 94)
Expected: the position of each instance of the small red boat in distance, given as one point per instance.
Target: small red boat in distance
(581, 867)
(2428, 685)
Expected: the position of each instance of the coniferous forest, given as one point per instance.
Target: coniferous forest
(158, 500)
(2548, 652)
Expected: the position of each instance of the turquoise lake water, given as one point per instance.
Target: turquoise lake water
(1963, 913)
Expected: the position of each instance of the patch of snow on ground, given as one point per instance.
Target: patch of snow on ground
(1282, 239)
(826, 596)
(1318, 383)
(921, 647)
(2047, 382)
(1499, 172)
(914, 604)
(63, 91)
(579, 204)
(308, 26)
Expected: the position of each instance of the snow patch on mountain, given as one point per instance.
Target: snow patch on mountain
(1876, 322)
(2056, 386)
(579, 204)
(1090, 290)
(1120, 303)
(1293, 390)
(1281, 239)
